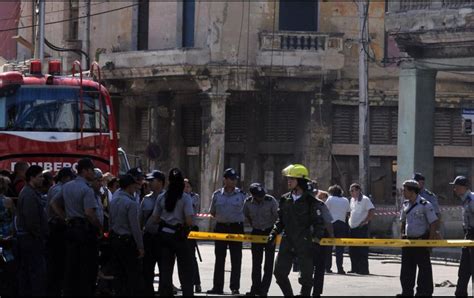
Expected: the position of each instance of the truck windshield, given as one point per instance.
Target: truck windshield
(50, 108)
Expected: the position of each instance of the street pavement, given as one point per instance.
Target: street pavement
(383, 280)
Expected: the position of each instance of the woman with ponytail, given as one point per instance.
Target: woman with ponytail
(174, 213)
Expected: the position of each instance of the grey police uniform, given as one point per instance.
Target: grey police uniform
(146, 210)
(125, 239)
(418, 217)
(227, 209)
(467, 258)
(80, 196)
(82, 241)
(53, 192)
(262, 216)
(183, 208)
(124, 218)
(431, 197)
(173, 244)
(196, 205)
(150, 241)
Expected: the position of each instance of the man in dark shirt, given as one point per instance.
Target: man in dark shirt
(32, 230)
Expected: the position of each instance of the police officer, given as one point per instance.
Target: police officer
(57, 232)
(419, 221)
(300, 220)
(426, 194)
(83, 230)
(261, 211)
(461, 190)
(32, 229)
(126, 237)
(227, 209)
(319, 251)
(174, 212)
(150, 237)
(192, 243)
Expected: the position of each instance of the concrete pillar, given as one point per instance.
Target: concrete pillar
(416, 106)
(212, 145)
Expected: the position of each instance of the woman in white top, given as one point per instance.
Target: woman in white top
(340, 210)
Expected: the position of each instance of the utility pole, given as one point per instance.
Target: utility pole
(364, 141)
(39, 42)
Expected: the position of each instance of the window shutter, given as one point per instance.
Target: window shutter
(345, 125)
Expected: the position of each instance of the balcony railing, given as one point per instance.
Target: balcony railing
(302, 41)
(409, 5)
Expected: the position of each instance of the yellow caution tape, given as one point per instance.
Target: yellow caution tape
(337, 241)
(394, 242)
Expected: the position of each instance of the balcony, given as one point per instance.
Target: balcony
(311, 49)
(432, 29)
(409, 5)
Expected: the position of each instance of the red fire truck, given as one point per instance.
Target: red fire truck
(53, 120)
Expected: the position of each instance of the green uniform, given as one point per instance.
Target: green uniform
(300, 220)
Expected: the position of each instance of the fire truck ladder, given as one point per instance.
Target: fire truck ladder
(95, 93)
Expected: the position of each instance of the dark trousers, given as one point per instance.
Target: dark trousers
(32, 266)
(341, 230)
(220, 251)
(192, 246)
(465, 271)
(319, 261)
(151, 258)
(359, 255)
(413, 257)
(81, 260)
(261, 285)
(174, 247)
(127, 266)
(56, 251)
(303, 250)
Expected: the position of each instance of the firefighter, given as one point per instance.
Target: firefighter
(301, 221)
(174, 213)
(150, 237)
(126, 237)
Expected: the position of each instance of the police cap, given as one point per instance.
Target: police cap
(461, 181)
(411, 183)
(156, 175)
(66, 172)
(126, 180)
(418, 177)
(257, 190)
(98, 173)
(137, 173)
(231, 174)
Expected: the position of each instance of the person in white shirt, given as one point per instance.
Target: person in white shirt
(362, 212)
(340, 209)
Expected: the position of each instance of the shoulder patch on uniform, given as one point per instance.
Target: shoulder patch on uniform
(268, 198)
(248, 199)
(406, 202)
(423, 201)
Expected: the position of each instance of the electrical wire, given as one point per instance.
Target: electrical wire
(72, 19)
(50, 12)
(77, 51)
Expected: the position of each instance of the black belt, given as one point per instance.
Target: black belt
(230, 223)
(124, 237)
(76, 222)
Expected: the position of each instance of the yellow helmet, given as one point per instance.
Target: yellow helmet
(296, 171)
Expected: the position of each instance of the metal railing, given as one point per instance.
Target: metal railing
(298, 40)
(409, 5)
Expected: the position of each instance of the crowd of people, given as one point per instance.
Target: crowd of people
(84, 232)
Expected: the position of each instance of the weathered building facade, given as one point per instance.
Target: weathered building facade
(205, 85)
